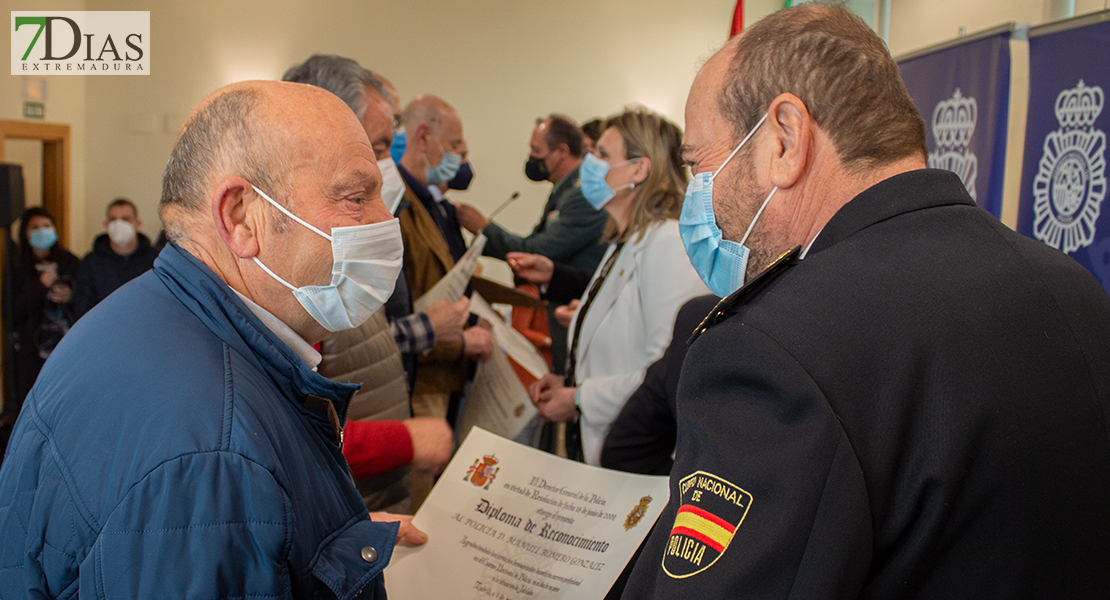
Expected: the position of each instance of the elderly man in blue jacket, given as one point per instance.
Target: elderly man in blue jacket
(195, 452)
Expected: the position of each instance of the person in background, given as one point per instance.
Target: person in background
(591, 130)
(642, 437)
(569, 229)
(43, 280)
(435, 149)
(899, 396)
(625, 318)
(119, 255)
(382, 439)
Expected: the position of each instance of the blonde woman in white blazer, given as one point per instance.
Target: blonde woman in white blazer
(624, 319)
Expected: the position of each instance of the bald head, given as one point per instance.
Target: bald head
(432, 127)
(429, 110)
(256, 130)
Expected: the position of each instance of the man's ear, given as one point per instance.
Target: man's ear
(235, 214)
(418, 140)
(791, 129)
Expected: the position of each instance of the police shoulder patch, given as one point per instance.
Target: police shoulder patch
(710, 510)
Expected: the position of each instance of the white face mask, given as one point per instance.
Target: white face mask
(121, 232)
(365, 262)
(393, 187)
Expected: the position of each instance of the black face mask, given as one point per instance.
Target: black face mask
(461, 180)
(536, 170)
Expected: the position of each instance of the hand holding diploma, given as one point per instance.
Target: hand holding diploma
(407, 534)
(531, 267)
(451, 286)
(506, 521)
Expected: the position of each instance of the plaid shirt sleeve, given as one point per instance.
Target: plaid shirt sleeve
(414, 333)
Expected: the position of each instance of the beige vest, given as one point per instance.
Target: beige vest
(368, 355)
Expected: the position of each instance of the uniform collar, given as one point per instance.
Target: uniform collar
(903, 193)
(569, 181)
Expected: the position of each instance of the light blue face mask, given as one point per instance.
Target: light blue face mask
(400, 142)
(365, 262)
(591, 176)
(721, 263)
(448, 166)
(43, 238)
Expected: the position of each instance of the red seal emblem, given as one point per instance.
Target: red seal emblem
(483, 471)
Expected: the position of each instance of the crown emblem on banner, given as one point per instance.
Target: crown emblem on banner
(954, 121)
(1079, 106)
(1071, 179)
(953, 126)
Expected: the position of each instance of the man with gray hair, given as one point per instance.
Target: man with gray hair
(898, 397)
(384, 439)
(196, 452)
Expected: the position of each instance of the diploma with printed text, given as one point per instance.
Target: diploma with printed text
(497, 401)
(506, 521)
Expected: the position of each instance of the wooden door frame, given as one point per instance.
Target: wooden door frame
(56, 150)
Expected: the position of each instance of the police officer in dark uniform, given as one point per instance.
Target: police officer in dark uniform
(912, 401)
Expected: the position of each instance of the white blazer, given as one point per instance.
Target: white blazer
(629, 325)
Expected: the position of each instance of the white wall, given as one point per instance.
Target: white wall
(501, 63)
(916, 24)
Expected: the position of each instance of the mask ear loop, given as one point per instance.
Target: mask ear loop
(295, 218)
(291, 215)
(631, 185)
(759, 212)
(272, 274)
(741, 144)
(773, 190)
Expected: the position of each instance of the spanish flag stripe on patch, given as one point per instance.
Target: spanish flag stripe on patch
(699, 536)
(729, 527)
(708, 531)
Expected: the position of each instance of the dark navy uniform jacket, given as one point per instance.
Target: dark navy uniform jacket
(918, 409)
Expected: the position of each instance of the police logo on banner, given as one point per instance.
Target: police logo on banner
(953, 126)
(1071, 178)
(710, 511)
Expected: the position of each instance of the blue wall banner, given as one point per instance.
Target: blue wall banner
(963, 92)
(1063, 182)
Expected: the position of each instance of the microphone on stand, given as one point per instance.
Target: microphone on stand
(503, 205)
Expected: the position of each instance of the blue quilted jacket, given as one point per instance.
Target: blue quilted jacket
(174, 447)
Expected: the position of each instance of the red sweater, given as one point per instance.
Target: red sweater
(374, 447)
